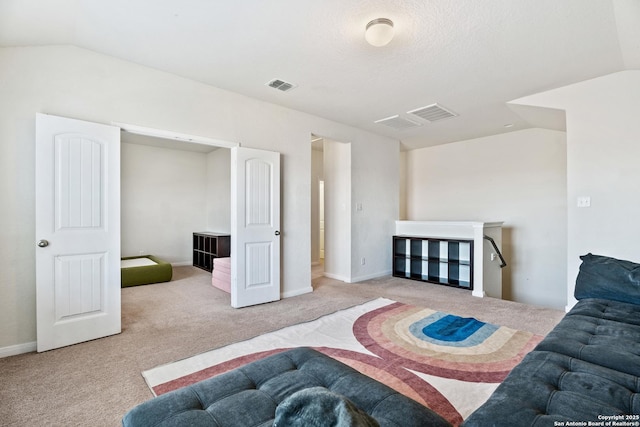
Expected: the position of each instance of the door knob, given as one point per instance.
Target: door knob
(43, 243)
(277, 233)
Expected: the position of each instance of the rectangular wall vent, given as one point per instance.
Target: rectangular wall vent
(432, 113)
(397, 122)
(281, 85)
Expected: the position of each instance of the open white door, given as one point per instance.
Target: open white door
(78, 231)
(255, 226)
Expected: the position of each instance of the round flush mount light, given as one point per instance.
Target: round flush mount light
(379, 32)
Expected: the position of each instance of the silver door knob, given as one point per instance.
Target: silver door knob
(43, 243)
(277, 233)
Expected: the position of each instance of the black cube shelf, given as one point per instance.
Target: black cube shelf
(207, 246)
(443, 261)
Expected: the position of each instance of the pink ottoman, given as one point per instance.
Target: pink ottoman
(221, 274)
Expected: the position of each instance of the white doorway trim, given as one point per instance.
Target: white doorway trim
(249, 284)
(321, 217)
(166, 134)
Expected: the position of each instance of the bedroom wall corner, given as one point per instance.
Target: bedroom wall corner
(218, 197)
(162, 201)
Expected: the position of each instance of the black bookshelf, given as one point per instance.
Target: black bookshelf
(443, 261)
(207, 246)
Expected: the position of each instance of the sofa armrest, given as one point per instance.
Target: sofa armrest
(608, 278)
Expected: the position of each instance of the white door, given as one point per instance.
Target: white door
(255, 226)
(77, 231)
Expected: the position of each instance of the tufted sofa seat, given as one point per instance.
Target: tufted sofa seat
(587, 369)
(248, 396)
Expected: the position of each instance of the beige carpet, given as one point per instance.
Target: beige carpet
(95, 383)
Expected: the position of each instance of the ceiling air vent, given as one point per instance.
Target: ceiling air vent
(397, 122)
(281, 85)
(432, 113)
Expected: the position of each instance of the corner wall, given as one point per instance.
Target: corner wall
(517, 177)
(603, 152)
(337, 202)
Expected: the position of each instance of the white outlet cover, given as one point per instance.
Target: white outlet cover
(584, 202)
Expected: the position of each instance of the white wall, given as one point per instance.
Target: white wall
(375, 174)
(77, 83)
(603, 162)
(403, 186)
(337, 212)
(163, 201)
(219, 191)
(517, 177)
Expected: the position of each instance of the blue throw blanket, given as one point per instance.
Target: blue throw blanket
(319, 407)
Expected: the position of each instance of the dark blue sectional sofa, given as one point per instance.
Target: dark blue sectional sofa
(587, 370)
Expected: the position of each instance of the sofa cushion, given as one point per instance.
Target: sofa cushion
(547, 387)
(608, 278)
(250, 394)
(602, 332)
(587, 366)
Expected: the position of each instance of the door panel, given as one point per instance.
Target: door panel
(255, 224)
(78, 227)
(79, 182)
(79, 285)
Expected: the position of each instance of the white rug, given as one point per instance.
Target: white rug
(445, 362)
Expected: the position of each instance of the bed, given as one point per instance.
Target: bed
(144, 270)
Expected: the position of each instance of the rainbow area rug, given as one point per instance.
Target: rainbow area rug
(448, 363)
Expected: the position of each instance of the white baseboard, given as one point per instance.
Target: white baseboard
(181, 264)
(14, 350)
(337, 277)
(357, 278)
(370, 276)
(297, 292)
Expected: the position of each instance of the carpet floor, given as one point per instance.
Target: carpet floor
(97, 382)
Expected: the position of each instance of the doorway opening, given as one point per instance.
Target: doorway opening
(88, 178)
(252, 215)
(330, 212)
(317, 208)
(169, 190)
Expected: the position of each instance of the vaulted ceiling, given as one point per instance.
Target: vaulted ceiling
(469, 56)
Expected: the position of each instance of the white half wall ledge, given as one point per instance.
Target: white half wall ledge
(487, 274)
(14, 350)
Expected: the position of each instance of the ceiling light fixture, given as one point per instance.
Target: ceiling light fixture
(379, 32)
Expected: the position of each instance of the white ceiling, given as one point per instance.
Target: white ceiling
(470, 56)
